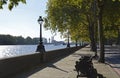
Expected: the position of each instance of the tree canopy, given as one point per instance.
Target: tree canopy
(64, 15)
(18, 40)
(10, 3)
(77, 15)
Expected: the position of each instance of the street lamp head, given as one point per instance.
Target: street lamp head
(40, 20)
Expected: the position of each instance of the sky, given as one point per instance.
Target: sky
(22, 20)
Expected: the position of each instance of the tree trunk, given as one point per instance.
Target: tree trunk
(92, 35)
(100, 29)
(118, 41)
(76, 42)
(95, 25)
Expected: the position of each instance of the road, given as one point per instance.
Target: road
(112, 57)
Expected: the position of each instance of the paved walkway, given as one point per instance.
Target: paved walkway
(64, 68)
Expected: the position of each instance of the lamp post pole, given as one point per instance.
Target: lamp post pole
(40, 47)
(68, 44)
(41, 43)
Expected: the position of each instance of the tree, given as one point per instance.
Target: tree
(17, 40)
(107, 18)
(28, 40)
(62, 15)
(67, 14)
(11, 3)
(111, 19)
(7, 40)
(70, 14)
(100, 26)
(20, 40)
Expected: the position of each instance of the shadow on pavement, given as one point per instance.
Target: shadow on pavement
(53, 66)
(100, 76)
(113, 56)
(27, 73)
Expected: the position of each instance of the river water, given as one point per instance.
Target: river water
(16, 50)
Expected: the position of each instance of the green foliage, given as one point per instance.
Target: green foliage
(62, 14)
(11, 3)
(66, 15)
(2, 2)
(7, 39)
(17, 40)
(77, 15)
(111, 18)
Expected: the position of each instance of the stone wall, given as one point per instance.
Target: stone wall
(13, 65)
(50, 55)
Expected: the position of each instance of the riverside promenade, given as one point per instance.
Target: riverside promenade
(64, 68)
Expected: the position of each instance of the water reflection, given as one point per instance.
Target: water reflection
(15, 50)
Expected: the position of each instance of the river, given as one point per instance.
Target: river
(16, 50)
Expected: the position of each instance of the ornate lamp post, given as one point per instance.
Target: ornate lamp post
(40, 47)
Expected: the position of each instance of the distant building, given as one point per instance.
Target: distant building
(37, 40)
(44, 40)
(53, 41)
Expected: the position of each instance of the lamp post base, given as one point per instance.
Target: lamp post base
(68, 45)
(40, 48)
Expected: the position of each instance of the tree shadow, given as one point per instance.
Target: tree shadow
(114, 61)
(53, 66)
(112, 55)
(100, 76)
(27, 73)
